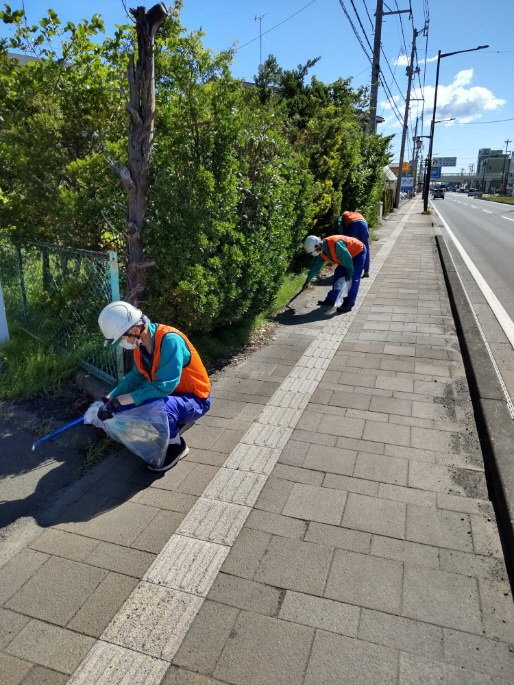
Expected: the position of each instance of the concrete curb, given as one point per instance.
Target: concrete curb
(494, 423)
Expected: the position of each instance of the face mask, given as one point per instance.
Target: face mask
(129, 346)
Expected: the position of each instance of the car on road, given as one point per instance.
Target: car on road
(438, 192)
(472, 192)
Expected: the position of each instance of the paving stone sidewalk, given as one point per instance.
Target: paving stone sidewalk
(331, 523)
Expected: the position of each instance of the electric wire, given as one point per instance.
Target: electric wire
(360, 24)
(474, 123)
(369, 16)
(274, 27)
(355, 30)
(401, 26)
(392, 73)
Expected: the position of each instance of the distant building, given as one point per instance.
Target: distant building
(492, 167)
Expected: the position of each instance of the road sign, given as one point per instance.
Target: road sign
(444, 161)
(407, 183)
(435, 173)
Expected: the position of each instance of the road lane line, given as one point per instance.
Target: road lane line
(503, 318)
(487, 211)
(506, 217)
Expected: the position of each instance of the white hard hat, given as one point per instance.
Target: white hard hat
(116, 319)
(312, 245)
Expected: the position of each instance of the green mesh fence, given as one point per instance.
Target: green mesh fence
(56, 293)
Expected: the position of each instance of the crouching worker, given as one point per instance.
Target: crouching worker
(166, 367)
(349, 255)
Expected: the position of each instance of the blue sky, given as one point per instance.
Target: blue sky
(476, 88)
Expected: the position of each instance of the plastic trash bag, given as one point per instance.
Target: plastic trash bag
(91, 415)
(344, 290)
(144, 430)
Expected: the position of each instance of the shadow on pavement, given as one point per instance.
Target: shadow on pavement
(289, 317)
(32, 483)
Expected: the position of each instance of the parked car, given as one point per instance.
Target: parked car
(438, 192)
(472, 192)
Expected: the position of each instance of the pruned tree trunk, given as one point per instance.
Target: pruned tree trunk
(134, 176)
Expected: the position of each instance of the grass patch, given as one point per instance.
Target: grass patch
(98, 449)
(27, 367)
(504, 199)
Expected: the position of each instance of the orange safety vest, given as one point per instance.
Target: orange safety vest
(194, 378)
(348, 217)
(353, 245)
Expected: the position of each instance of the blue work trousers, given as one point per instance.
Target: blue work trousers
(359, 229)
(184, 408)
(340, 272)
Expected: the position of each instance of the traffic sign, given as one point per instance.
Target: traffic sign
(435, 173)
(407, 183)
(444, 161)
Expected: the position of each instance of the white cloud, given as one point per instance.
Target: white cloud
(461, 100)
(403, 60)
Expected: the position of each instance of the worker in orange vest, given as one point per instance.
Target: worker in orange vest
(349, 255)
(166, 367)
(355, 225)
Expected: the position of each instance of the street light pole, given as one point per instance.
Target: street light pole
(440, 56)
(431, 141)
(410, 73)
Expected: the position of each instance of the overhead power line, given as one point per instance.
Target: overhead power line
(360, 24)
(401, 26)
(276, 26)
(367, 12)
(475, 123)
(354, 30)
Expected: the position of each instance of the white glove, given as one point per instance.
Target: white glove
(91, 415)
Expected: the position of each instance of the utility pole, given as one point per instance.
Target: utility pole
(410, 72)
(259, 19)
(375, 66)
(415, 154)
(505, 180)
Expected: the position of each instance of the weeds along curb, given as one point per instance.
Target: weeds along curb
(494, 423)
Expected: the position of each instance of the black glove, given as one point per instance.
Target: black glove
(107, 409)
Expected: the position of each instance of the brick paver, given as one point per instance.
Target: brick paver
(330, 525)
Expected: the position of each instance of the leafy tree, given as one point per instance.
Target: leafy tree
(62, 117)
(327, 123)
(228, 195)
(238, 175)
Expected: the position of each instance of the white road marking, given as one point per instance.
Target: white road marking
(503, 318)
(506, 217)
(487, 211)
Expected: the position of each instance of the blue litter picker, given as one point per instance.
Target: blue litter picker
(59, 430)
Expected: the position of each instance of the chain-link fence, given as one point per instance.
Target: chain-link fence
(56, 293)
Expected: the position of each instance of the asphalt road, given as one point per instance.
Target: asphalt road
(486, 233)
